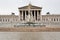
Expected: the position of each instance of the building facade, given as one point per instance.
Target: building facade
(32, 14)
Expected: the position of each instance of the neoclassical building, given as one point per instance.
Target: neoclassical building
(30, 14)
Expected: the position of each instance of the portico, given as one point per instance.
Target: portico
(31, 10)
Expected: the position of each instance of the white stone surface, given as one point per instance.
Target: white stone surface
(29, 35)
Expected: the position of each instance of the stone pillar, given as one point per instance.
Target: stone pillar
(40, 16)
(25, 15)
(34, 15)
(31, 16)
(22, 15)
(37, 15)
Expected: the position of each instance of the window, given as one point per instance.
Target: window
(54, 19)
(57, 19)
(6, 20)
(51, 19)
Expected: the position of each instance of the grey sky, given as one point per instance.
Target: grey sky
(8, 6)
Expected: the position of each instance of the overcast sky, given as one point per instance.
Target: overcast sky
(8, 6)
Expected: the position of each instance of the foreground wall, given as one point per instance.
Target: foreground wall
(45, 24)
(29, 35)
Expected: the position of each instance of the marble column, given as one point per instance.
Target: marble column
(19, 15)
(34, 15)
(31, 16)
(25, 15)
(37, 15)
(40, 15)
(22, 14)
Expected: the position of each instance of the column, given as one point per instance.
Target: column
(40, 15)
(31, 15)
(37, 15)
(22, 14)
(25, 15)
(34, 15)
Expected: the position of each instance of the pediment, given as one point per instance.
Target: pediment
(31, 7)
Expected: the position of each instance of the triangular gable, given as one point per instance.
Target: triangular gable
(31, 7)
